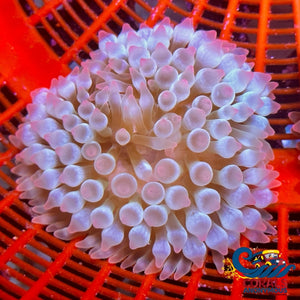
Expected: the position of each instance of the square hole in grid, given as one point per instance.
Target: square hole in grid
(282, 69)
(218, 3)
(282, 52)
(246, 7)
(244, 37)
(248, 23)
(213, 16)
(58, 50)
(281, 39)
(284, 24)
(288, 83)
(281, 8)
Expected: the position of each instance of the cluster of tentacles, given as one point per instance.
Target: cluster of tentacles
(155, 149)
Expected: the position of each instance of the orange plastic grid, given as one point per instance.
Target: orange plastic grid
(41, 39)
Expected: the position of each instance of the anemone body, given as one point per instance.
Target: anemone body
(155, 149)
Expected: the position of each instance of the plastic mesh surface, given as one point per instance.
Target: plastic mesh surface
(41, 39)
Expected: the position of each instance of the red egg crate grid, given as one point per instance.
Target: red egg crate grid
(41, 39)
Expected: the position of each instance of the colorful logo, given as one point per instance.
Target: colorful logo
(262, 271)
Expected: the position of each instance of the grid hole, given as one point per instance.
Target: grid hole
(247, 23)
(281, 38)
(218, 3)
(279, 53)
(249, 8)
(280, 24)
(281, 8)
(213, 16)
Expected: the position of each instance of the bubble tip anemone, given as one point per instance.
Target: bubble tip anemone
(144, 150)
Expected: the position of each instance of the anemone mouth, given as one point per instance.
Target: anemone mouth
(153, 150)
